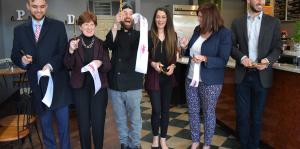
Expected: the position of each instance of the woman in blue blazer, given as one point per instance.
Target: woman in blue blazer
(209, 50)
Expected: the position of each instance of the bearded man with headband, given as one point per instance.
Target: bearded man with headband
(125, 84)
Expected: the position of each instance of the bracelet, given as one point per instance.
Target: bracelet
(205, 59)
(267, 61)
(173, 65)
(183, 47)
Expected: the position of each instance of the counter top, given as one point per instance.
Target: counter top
(231, 64)
(279, 66)
(291, 53)
(287, 67)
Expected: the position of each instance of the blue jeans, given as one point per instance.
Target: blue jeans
(62, 118)
(250, 102)
(127, 110)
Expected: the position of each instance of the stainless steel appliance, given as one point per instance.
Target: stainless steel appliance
(290, 57)
(184, 18)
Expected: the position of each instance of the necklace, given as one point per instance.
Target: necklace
(90, 45)
(161, 46)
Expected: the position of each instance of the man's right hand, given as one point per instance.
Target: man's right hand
(73, 46)
(26, 59)
(247, 62)
(119, 17)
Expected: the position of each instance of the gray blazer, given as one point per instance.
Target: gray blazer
(269, 46)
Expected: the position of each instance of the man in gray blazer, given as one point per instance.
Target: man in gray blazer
(256, 46)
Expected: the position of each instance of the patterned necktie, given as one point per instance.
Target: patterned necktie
(37, 32)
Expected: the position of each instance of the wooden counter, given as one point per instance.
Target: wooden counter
(11, 72)
(281, 118)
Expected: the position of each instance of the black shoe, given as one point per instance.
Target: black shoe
(136, 147)
(155, 147)
(123, 146)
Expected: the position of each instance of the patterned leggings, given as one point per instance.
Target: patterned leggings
(207, 96)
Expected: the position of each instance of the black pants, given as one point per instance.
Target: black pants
(250, 102)
(91, 111)
(160, 102)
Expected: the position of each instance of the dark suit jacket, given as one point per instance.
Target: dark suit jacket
(269, 45)
(74, 62)
(217, 49)
(49, 49)
(122, 76)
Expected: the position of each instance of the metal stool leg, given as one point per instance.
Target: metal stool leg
(37, 131)
(30, 140)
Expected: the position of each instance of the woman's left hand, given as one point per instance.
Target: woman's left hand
(170, 69)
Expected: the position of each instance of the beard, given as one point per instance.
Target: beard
(126, 25)
(252, 7)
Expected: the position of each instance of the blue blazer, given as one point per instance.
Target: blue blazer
(50, 49)
(217, 48)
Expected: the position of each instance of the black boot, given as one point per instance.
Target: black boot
(123, 146)
(136, 147)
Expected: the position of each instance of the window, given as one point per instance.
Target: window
(107, 7)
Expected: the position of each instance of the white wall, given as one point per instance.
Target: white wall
(232, 9)
(138, 6)
(8, 10)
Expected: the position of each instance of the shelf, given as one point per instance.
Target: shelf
(287, 10)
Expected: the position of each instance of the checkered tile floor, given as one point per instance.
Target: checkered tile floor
(179, 132)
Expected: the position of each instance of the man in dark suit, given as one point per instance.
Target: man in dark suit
(39, 44)
(256, 46)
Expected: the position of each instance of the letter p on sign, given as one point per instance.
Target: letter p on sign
(20, 13)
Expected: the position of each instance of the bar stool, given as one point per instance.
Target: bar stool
(18, 126)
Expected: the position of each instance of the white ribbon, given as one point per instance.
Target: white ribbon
(142, 53)
(47, 99)
(196, 75)
(92, 68)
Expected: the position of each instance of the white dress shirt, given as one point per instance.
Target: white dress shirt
(253, 30)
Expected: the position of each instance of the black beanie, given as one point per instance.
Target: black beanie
(126, 5)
